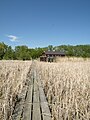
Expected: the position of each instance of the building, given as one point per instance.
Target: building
(51, 55)
(54, 53)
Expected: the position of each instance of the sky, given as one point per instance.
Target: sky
(39, 23)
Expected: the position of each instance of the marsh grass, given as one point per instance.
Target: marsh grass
(12, 79)
(67, 87)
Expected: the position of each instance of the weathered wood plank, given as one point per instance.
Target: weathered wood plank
(36, 104)
(44, 105)
(36, 111)
(19, 106)
(28, 104)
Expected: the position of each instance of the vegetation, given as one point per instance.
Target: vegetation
(13, 76)
(67, 87)
(25, 53)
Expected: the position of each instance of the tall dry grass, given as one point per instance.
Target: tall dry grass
(67, 87)
(13, 75)
(73, 59)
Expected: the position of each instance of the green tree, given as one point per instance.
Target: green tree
(22, 53)
(9, 54)
(50, 48)
(3, 49)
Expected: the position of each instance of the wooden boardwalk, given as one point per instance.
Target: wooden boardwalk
(35, 105)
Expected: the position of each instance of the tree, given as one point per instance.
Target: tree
(22, 53)
(50, 48)
(3, 49)
(9, 54)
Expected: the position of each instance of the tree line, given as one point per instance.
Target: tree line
(25, 53)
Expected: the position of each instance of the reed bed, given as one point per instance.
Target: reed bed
(13, 75)
(73, 59)
(67, 87)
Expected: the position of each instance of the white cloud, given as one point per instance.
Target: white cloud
(12, 38)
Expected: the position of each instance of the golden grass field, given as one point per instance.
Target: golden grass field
(12, 79)
(66, 85)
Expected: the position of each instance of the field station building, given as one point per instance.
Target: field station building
(51, 55)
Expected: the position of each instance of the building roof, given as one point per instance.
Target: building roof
(54, 53)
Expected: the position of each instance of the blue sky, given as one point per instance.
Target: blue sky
(39, 23)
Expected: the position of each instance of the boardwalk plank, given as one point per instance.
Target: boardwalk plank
(44, 105)
(19, 106)
(36, 104)
(28, 105)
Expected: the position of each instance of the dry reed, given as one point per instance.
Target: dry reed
(12, 78)
(67, 87)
